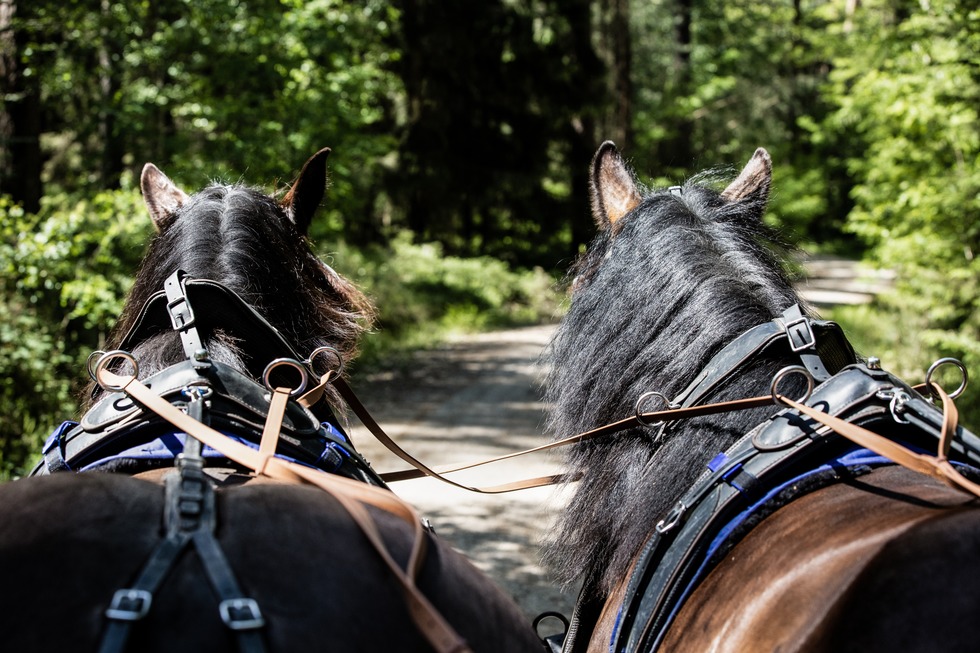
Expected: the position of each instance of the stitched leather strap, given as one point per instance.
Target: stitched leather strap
(352, 495)
(937, 466)
(273, 422)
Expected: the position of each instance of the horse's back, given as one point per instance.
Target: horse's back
(884, 562)
(68, 542)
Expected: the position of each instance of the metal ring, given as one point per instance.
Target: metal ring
(291, 362)
(98, 353)
(949, 361)
(327, 350)
(782, 374)
(642, 400)
(549, 615)
(103, 363)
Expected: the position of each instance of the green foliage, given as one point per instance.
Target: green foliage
(423, 295)
(63, 276)
(212, 88)
(908, 94)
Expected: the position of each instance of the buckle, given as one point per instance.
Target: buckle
(241, 614)
(129, 605)
(180, 318)
(800, 334)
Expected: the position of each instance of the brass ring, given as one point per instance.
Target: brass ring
(949, 361)
(304, 376)
(103, 364)
(782, 374)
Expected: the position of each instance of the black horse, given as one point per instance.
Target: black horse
(229, 284)
(793, 539)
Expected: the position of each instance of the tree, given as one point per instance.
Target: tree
(908, 92)
(483, 165)
(20, 124)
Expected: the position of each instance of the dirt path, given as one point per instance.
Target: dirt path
(472, 399)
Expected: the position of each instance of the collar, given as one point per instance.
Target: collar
(820, 345)
(173, 308)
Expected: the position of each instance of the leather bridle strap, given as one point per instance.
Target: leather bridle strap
(352, 495)
(937, 466)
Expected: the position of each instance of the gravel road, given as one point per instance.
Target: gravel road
(474, 398)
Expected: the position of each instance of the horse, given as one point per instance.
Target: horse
(699, 528)
(98, 553)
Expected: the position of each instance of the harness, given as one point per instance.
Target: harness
(200, 410)
(828, 436)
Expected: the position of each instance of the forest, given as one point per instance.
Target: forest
(461, 136)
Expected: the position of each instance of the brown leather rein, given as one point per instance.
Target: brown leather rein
(937, 466)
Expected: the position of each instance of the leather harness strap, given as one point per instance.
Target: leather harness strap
(352, 495)
(608, 429)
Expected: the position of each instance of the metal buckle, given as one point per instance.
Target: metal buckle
(129, 605)
(806, 333)
(896, 398)
(184, 319)
(241, 614)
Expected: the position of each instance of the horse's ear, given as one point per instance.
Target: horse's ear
(614, 192)
(754, 180)
(304, 197)
(162, 197)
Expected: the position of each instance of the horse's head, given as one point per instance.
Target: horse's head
(683, 227)
(672, 277)
(257, 247)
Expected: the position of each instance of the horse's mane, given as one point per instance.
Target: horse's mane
(244, 240)
(658, 293)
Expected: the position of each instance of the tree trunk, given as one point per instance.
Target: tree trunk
(677, 150)
(20, 119)
(620, 53)
(113, 148)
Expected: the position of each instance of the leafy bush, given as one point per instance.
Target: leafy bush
(423, 295)
(65, 273)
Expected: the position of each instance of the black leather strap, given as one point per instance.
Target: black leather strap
(179, 307)
(182, 317)
(190, 519)
(820, 345)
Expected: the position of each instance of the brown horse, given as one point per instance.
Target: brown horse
(105, 561)
(793, 539)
